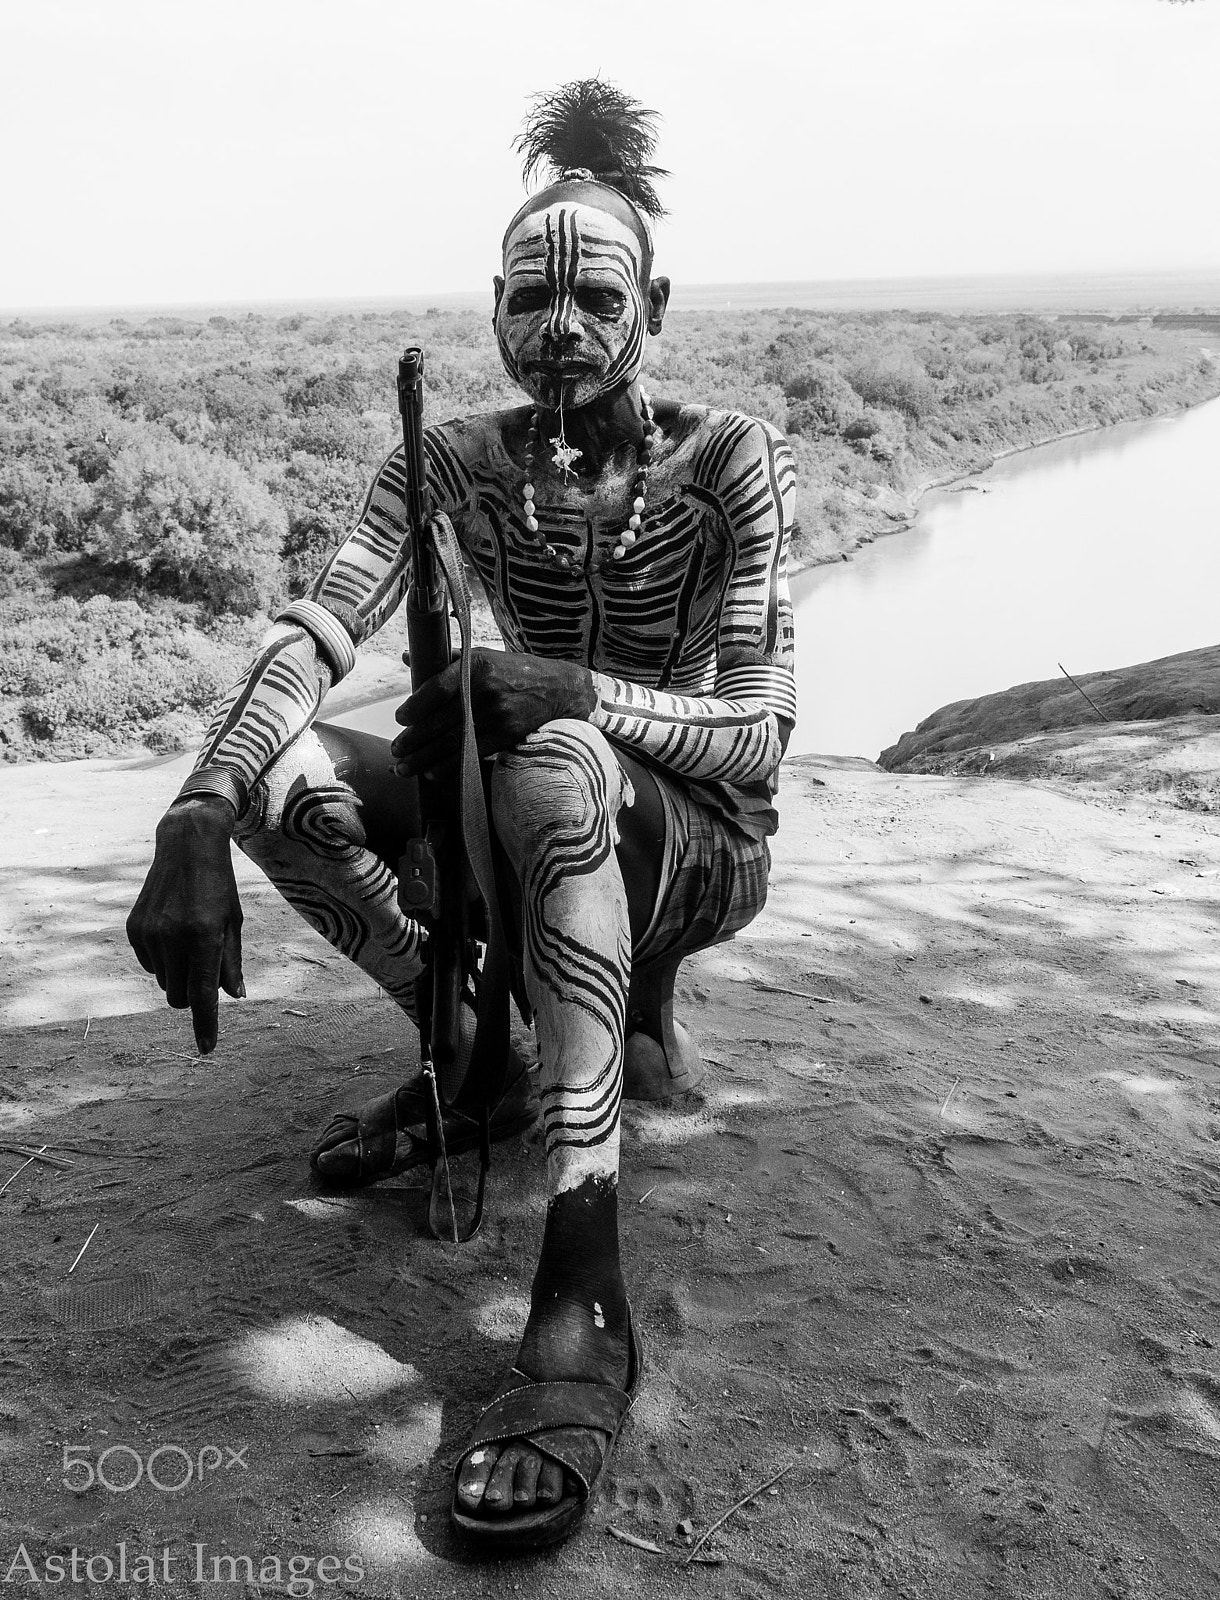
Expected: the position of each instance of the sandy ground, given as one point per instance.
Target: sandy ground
(938, 1236)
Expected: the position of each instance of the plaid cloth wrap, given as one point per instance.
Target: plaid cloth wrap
(713, 877)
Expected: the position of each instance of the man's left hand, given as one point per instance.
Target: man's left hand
(511, 697)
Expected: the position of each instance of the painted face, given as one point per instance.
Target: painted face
(572, 317)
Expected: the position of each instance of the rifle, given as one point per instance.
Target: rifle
(454, 846)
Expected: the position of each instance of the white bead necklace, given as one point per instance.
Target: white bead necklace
(563, 458)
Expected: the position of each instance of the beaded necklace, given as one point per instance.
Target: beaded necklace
(563, 458)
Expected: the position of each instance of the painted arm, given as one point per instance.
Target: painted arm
(186, 923)
(738, 732)
(312, 643)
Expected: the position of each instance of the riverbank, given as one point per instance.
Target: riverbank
(960, 1277)
(1090, 551)
(858, 509)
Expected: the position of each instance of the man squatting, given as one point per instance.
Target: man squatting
(634, 724)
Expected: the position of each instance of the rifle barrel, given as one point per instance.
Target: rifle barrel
(411, 410)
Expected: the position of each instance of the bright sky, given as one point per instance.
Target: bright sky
(176, 151)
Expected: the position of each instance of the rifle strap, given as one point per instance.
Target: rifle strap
(485, 1076)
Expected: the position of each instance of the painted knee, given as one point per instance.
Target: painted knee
(301, 798)
(564, 780)
(303, 830)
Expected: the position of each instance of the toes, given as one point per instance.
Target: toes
(517, 1478)
(498, 1495)
(525, 1479)
(340, 1158)
(476, 1470)
(550, 1483)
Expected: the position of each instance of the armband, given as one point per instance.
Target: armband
(215, 780)
(327, 631)
(769, 682)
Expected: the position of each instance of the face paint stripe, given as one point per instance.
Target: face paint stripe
(573, 266)
(561, 316)
(629, 359)
(552, 276)
(561, 252)
(532, 265)
(595, 249)
(559, 321)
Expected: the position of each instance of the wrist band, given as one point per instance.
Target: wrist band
(215, 780)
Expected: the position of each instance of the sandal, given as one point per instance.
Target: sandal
(389, 1130)
(574, 1424)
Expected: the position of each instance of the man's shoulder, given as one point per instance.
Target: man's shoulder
(722, 440)
(464, 452)
(479, 438)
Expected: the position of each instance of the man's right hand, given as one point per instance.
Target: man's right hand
(185, 927)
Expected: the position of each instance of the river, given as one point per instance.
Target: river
(1096, 551)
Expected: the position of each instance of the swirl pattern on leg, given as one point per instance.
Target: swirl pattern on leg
(304, 831)
(555, 801)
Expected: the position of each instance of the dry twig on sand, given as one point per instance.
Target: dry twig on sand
(744, 1501)
(949, 1096)
(34, 1155)
(21, 1169)
(83, 1248)
(801, 994)
(636, 1544)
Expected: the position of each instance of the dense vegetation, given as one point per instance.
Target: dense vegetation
(166, 484)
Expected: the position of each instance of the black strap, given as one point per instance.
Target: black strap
(486, 1071)
(484, 1079)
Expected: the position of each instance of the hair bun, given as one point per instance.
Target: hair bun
(591, 130)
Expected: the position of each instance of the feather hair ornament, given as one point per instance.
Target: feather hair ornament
(590, 129)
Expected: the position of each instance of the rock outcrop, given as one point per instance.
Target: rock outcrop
(1174, 686)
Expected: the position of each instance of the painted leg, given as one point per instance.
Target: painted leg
(327, 825)
(555, 802)
(305, 830)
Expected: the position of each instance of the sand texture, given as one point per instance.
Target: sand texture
(939, 1234)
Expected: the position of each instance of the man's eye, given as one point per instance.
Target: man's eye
(522, 301)
(600, 302)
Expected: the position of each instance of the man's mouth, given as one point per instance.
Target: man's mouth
(559, 369)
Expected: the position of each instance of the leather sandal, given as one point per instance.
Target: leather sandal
(574, 1424)
(390, 1130)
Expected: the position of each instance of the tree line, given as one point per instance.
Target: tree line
(166, 484)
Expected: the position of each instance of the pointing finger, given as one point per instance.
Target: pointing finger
(204, 995)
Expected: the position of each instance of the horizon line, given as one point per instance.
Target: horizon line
(441, 298)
